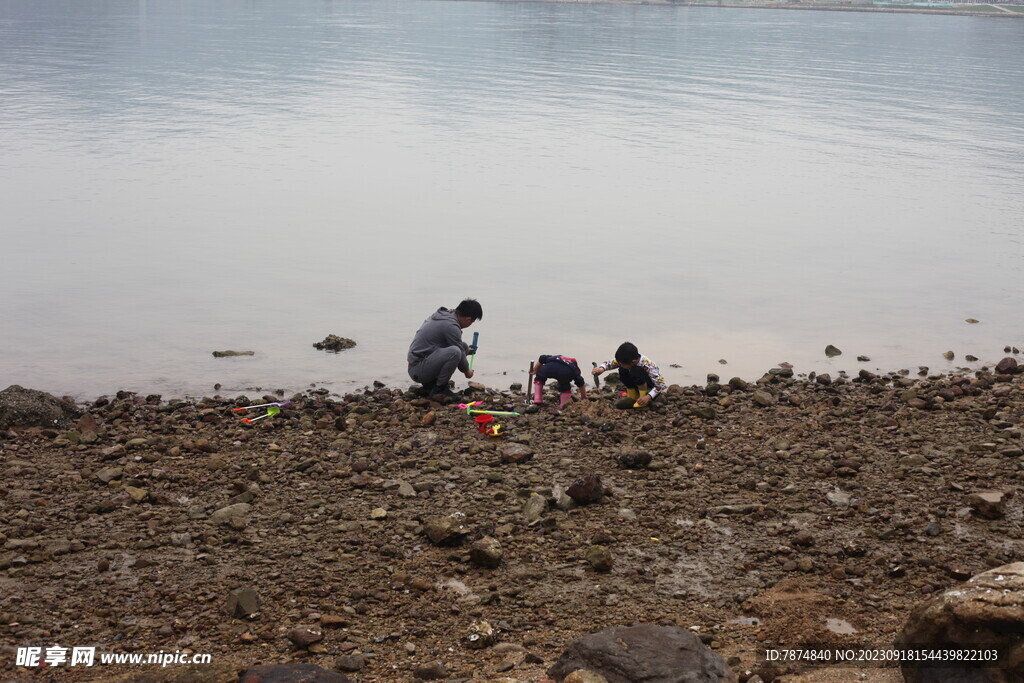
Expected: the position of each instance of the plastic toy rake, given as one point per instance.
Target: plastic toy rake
(468, 407)
(272, 410)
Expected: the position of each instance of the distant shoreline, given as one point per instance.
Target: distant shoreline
(818, 6)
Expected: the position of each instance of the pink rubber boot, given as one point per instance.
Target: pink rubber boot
(563, 398)
(538, 392)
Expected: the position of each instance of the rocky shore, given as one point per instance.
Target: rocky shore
(381, 536)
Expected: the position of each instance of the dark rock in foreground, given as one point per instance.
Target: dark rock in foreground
(291, 673)
(21, 407)
(986, 613)
(653, 654)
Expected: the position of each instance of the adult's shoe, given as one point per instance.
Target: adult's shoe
(445, 395)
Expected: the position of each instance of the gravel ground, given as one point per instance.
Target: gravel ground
(787, 512)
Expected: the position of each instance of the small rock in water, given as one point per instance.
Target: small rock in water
(333, 342)
(971, 320)
(863, 359)
(949, 355)
(832, 351)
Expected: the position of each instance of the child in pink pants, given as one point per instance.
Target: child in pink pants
(562, 369)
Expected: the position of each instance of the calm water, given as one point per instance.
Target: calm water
(178, 177)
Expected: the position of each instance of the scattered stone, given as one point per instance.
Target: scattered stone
(971, 320)
(705, 412)
(434, 671)
(988, 504)
(763, 398)
(226, 514)
(633, 458)
(486, 552)
(949, 355)
(515, 453)
(863, 359)
(626, 654)
(230, 354)
(587, 489)
(304, 636)
(138, 495)
(534, 507)
(600, 558)
(481, 635)
(584, 676)
(108, 474)
(445, 530)
(333, 342)
(242, 603)
(832, 351)
(429, 419)
(350, 663)
(1006, 366)
(625, 403)
(291, 673)
(838, 498)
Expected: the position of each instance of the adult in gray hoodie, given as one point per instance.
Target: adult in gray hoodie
(437, 349)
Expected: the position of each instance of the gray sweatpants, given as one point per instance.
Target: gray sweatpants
(437, 368)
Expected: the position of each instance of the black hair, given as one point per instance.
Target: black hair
(626, 353)
(470, 308)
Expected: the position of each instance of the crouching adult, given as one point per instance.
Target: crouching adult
(437, 350)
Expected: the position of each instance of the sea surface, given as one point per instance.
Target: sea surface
(748, 186)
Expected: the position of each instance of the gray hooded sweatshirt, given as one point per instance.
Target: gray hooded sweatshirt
(439, 331)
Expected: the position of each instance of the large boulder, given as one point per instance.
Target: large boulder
(648, 653)
(21, 407)
(985, 613)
